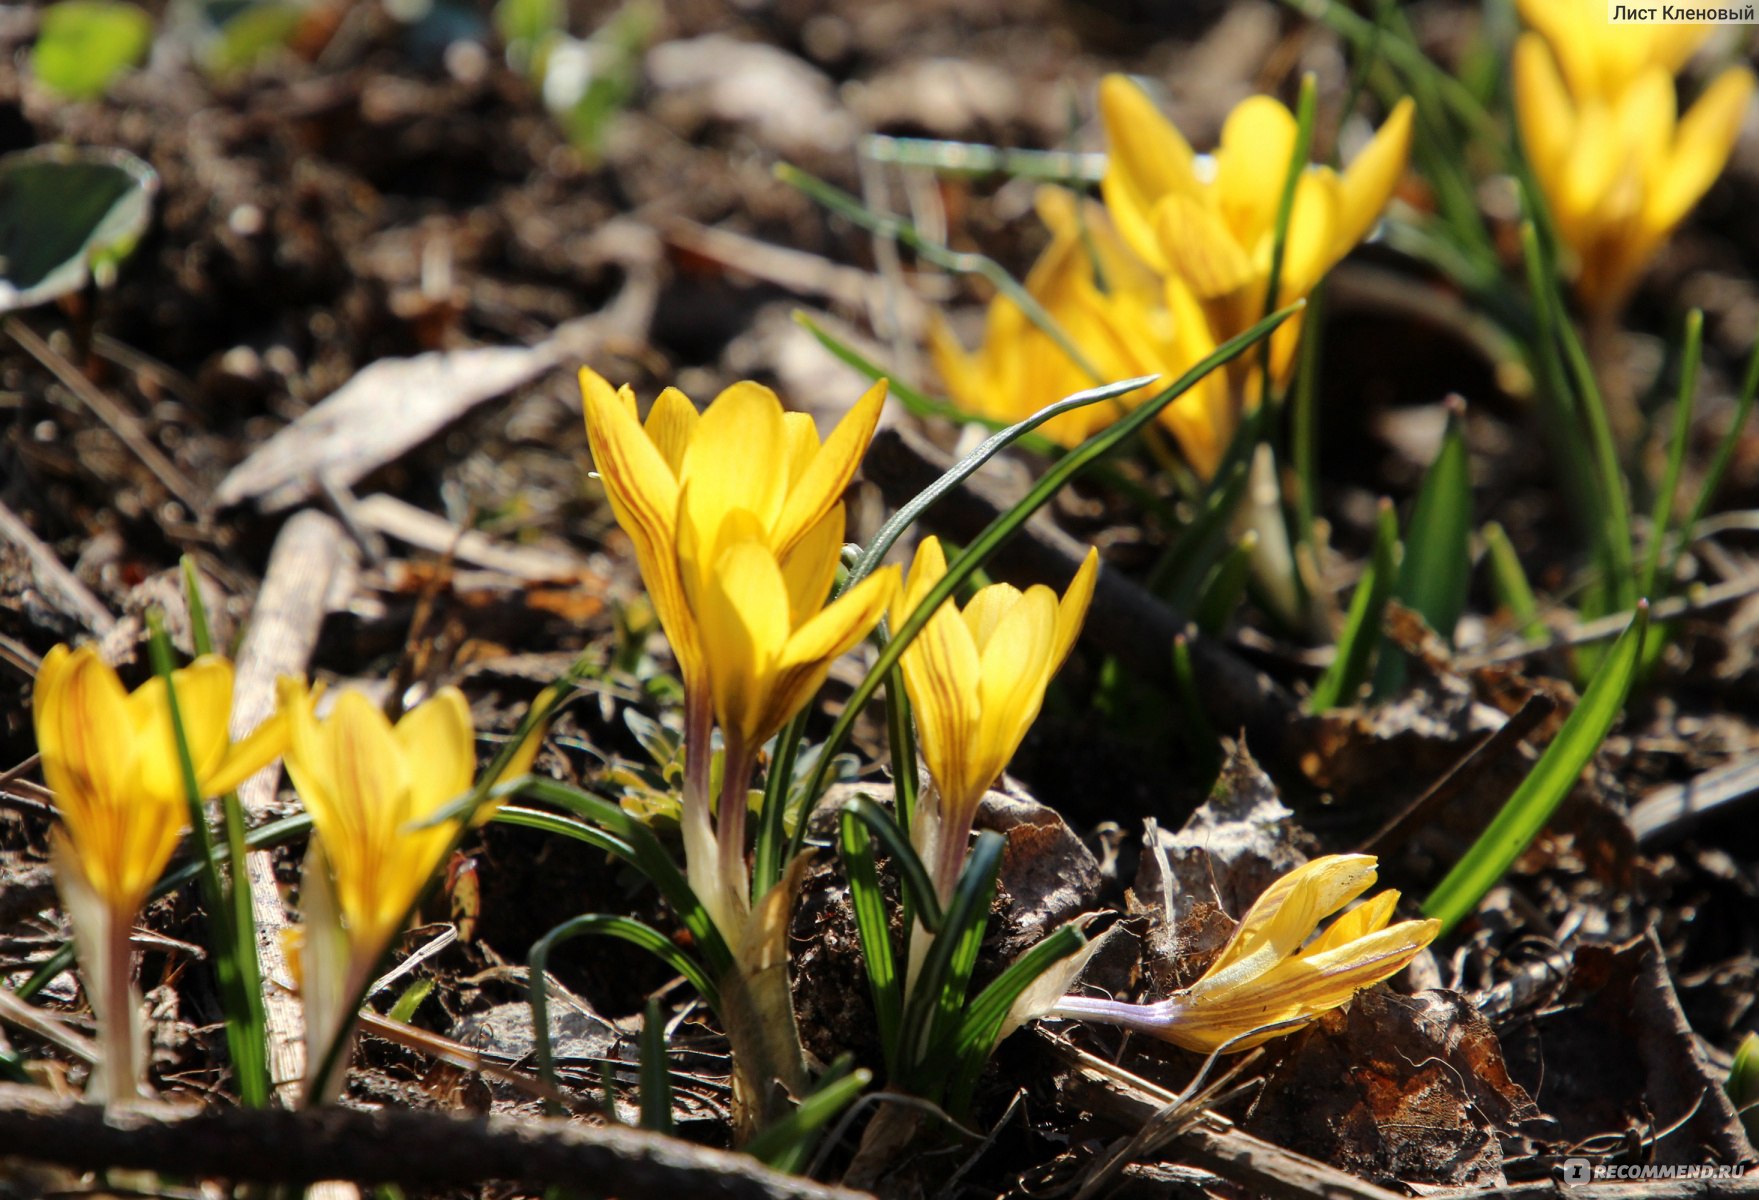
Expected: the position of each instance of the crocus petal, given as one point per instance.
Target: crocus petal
(1252, 164)
(1368, 184)
(1072, 608)
(1308, 250)
(438, 744)
(985, 611)
(800, 436)
(1012, 671)
(1300, 988)
(82, 721)
(1199, 246)
(643, 491)
(670, 424)
(831, 469)
(743, 607)
(204, 699)
(812, 565)
(1543, 109)
(1367, 917)
(1146, 158)
(941, 677)
(1702, 144)
(1289, 910)
(821, 641)
(245, 758)
(718, 480)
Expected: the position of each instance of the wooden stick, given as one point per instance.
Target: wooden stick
(424, 1149)
(311, 560)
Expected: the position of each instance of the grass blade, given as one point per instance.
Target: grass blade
(656, 1075)
(1509, 581)
(938, 994)
(1662, 515)
(918, 889)
(962, 470)
(1361, 636)
(601, 925)
(875, 931)
(1438, 549)
(1545, 787)
(786, 1143)
(1226, 586)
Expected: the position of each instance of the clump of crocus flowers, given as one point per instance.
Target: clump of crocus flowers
(1599, 121)
(111, 761)
(1176, 262)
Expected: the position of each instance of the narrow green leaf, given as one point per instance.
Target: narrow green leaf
(976, 1040)
(937, 992)
(1437, 569)
(1178, 576)
(895, 228)
(241, 998)
(1725, 452)
(656, 1073)
(911, 871)
(910, 512)
(1526, 812)
(646, 854)
(1509, 581)
(601, 925)
(1661, 517)
(1304, 110)
(876, 937)
(1222, 592)
(1361, 635)
(407, 1004)
(1743, 1083)
(786, 1143)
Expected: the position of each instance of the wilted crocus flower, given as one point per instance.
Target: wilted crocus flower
(110, 759)
(1597, 114)
(1266, 982)
(1216, 229)
(976, 679)
(737, 518)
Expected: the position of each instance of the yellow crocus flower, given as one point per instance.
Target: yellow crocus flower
(1216, 229)
(1619, 172)
(370, 786)
(1269, 979)
(737, 518)
(110, 758)
(1601, 60)
(976, 679)
(1122, 318)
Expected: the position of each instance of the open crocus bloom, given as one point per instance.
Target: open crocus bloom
(1121, 317)
(737, 518)
(1217, 231)
(370, 788)
(976, 680)
(110, 758)
(1601, 60)
(1618, 171)
(1269, 979)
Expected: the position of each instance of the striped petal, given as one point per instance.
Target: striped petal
(1146, 158)
(822, 483)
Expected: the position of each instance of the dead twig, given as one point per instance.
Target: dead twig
(309, 559)
(1493, 746)
(384, 1146)
(124, 424)
(60, 586)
